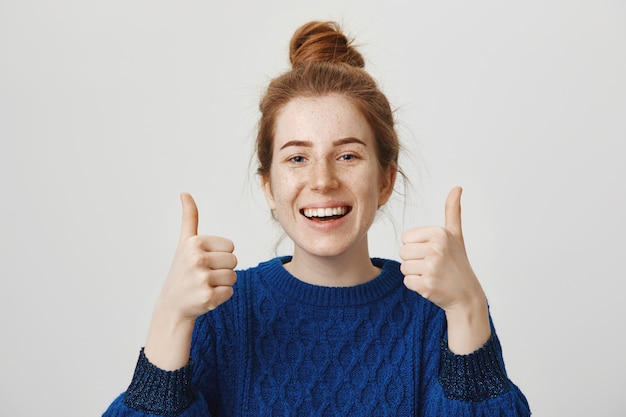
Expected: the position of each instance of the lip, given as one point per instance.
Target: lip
(326, 205)
(326, 225)
(321, 212)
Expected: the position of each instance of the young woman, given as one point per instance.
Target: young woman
(328, 330)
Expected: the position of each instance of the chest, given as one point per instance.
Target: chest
(325, 361)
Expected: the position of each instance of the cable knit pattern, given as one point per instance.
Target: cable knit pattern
(281, 347)
(328, 358)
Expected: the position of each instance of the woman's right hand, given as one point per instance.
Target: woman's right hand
(202, 273)
(200, 279)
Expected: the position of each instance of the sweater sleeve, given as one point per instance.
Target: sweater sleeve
(474, 377)
(156, 392)
(185, 392)
(475, 385)
(190, 391)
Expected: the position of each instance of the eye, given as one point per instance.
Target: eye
(298, 159)
(348, 157)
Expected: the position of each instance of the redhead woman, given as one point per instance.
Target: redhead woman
(329, 330)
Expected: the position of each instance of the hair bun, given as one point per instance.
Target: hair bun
(322, 42)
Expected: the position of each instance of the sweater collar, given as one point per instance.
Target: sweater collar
(280, 280)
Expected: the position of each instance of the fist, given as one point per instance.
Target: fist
(202, 273)
(435, 262)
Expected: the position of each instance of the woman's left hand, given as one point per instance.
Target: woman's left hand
(436, 266)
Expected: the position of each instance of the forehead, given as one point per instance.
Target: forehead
(320, 119)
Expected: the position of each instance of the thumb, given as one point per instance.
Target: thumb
(453, 213)
(190, 216)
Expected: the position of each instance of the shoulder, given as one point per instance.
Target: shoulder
(263, 268)
(387, 265)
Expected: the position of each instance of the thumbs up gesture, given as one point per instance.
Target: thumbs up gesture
(202, 272)
(200, 279)
(436, 266)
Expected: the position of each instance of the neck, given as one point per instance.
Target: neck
(345, 270)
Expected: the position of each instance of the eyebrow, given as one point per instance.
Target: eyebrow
(309, 144)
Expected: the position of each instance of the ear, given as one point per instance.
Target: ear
(388, 180)
(267, 191)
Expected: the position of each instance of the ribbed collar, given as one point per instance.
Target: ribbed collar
(277, 278)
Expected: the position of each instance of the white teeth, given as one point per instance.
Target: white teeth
(325, 212)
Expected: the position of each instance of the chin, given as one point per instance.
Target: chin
(330, 249)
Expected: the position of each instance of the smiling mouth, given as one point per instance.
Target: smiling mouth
(325, 214)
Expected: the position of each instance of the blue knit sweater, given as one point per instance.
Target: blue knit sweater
(281, 347)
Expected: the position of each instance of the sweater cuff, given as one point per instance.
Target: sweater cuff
(156, 391)
(478, 376)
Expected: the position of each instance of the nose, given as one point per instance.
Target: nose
(323, 176)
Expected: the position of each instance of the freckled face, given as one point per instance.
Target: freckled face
(325, 183)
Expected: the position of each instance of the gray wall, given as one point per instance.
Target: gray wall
(108, 110)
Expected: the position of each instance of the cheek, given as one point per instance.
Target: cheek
(282, 189)
(369, 184)
(366, 194)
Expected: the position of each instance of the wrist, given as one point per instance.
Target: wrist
(469, 310)
(169, 340)
(468, 326)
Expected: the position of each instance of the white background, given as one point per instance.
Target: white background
(110, 109)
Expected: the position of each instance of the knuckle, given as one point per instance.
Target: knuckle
(426, 288)
(198, 260)
(218, 297)
(228, 261)
(224, 245)
(408, 267)
(405, 252)
(228, 292)
(431, 264)
(438, 249)
(206, 294)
